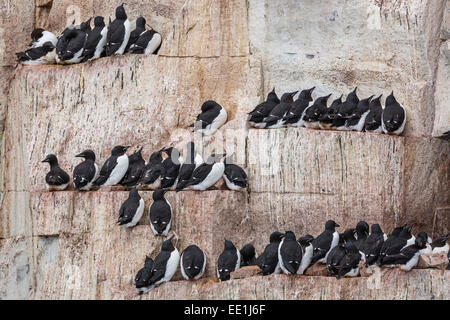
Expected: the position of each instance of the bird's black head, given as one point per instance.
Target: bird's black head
(423, 235)
(37, 34)
(272, 96)
(248, 252)
(119, 150)
(288, 96)
(406, 232)
(322, 101)
(352, 97)
(364, 103)
(376, 229)
(120, 12)
(168, 245)
(134, 193)
(362, 228)
(376, 102)
(390, 99)
(420, 242)
(156, 157)
(86, 26)
(51, 159)
(140, 22)
(229, 245)
(349, 235)
(331, 225)
(306, 94)
(440, 241)
(276, 236)
(99, 21)
(305, 240)
(87, 154)
(159, 194)
(136, 156)
(209, 105)
(289, 235)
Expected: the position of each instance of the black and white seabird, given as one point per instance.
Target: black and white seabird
(143, 276)
(315, 112)
(440, 245)
(408, 257)
(134, 35)
(153, 172)
(358, 118)
(338, 252)
(147, 41)
(349, 265)
(188, 167)
(345, 110)
(229, 261)
(276, 117)
(308, 251)
(115, 168)
(294, 117)
(166, 263)
(248, 255)
(118, 33)
(262, 110)
(234, 176)
(86, 172)
(326, 120)
(326, 241)
(135, 166)
(56, 178)
(44, 54)
(396, 241)
(372, 246)
(70, 46)
(428, 249)
(95, 44)
(131, 210)
(212, 117)
(290, 253)
(207, 174)
(362, 232)
(171, 168)
(268, 260)
(40, 36)
(192, 263)
(160, 213)
(393, 118)
(373, 119)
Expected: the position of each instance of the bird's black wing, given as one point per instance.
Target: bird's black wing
(269, 258)
(321, 246)
(200, 173)
(207, 117)
(128, 210)
(83, 173)
(159, 266)
(142, 42)
(401, 258)
(92, 40)
(291, 253)
(106, 170)
(57, 177)
(115, 36)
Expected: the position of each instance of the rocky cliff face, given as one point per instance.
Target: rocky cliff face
(65, 244)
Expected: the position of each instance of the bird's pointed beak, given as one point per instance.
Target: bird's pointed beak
(45, 160)
(312, 89)
(379, 97)
(80, 155)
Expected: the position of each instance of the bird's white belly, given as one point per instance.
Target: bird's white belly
(138, 215)
(118, 172)
(153, 44)
(171, 266)
(306, 259)
(443, 249)
(214, 176)
(125, 38)
(101, 45)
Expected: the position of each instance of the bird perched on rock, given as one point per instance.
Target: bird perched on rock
(326, 241)
(358, 118)
(147, 42)
(349, 265)
(289, 253)
(336, 254)
(118, 33)
(70, 46)
(143, 276)
(165, 264)
(276, 117)
(114, 168)
(42, 49)
(229, 261)
(326, 120)
(393, 118)
(248, 255)
(86, 172)
(153, 172)
(372, 246)
(440, 244)
(362, 232)
(134, 35)
(94, 47)
(135, 166)
(345, 110)
(294, 117)
(171, 168)
(160, 213)
(212, 117)
(315, 112)
(192, 263)
(234, 176)
(56, 178)
(40, 36)
(131, 210)
(207, 174)
(408, 257)
(262, 110)
(400, 238)
(188, 167)
(428, 249)
(268, 260)
(373, 119)
(307, 252)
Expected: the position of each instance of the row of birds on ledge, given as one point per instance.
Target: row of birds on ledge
(82, 43)
(173, 172)
(340, 252)
(352, 114)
